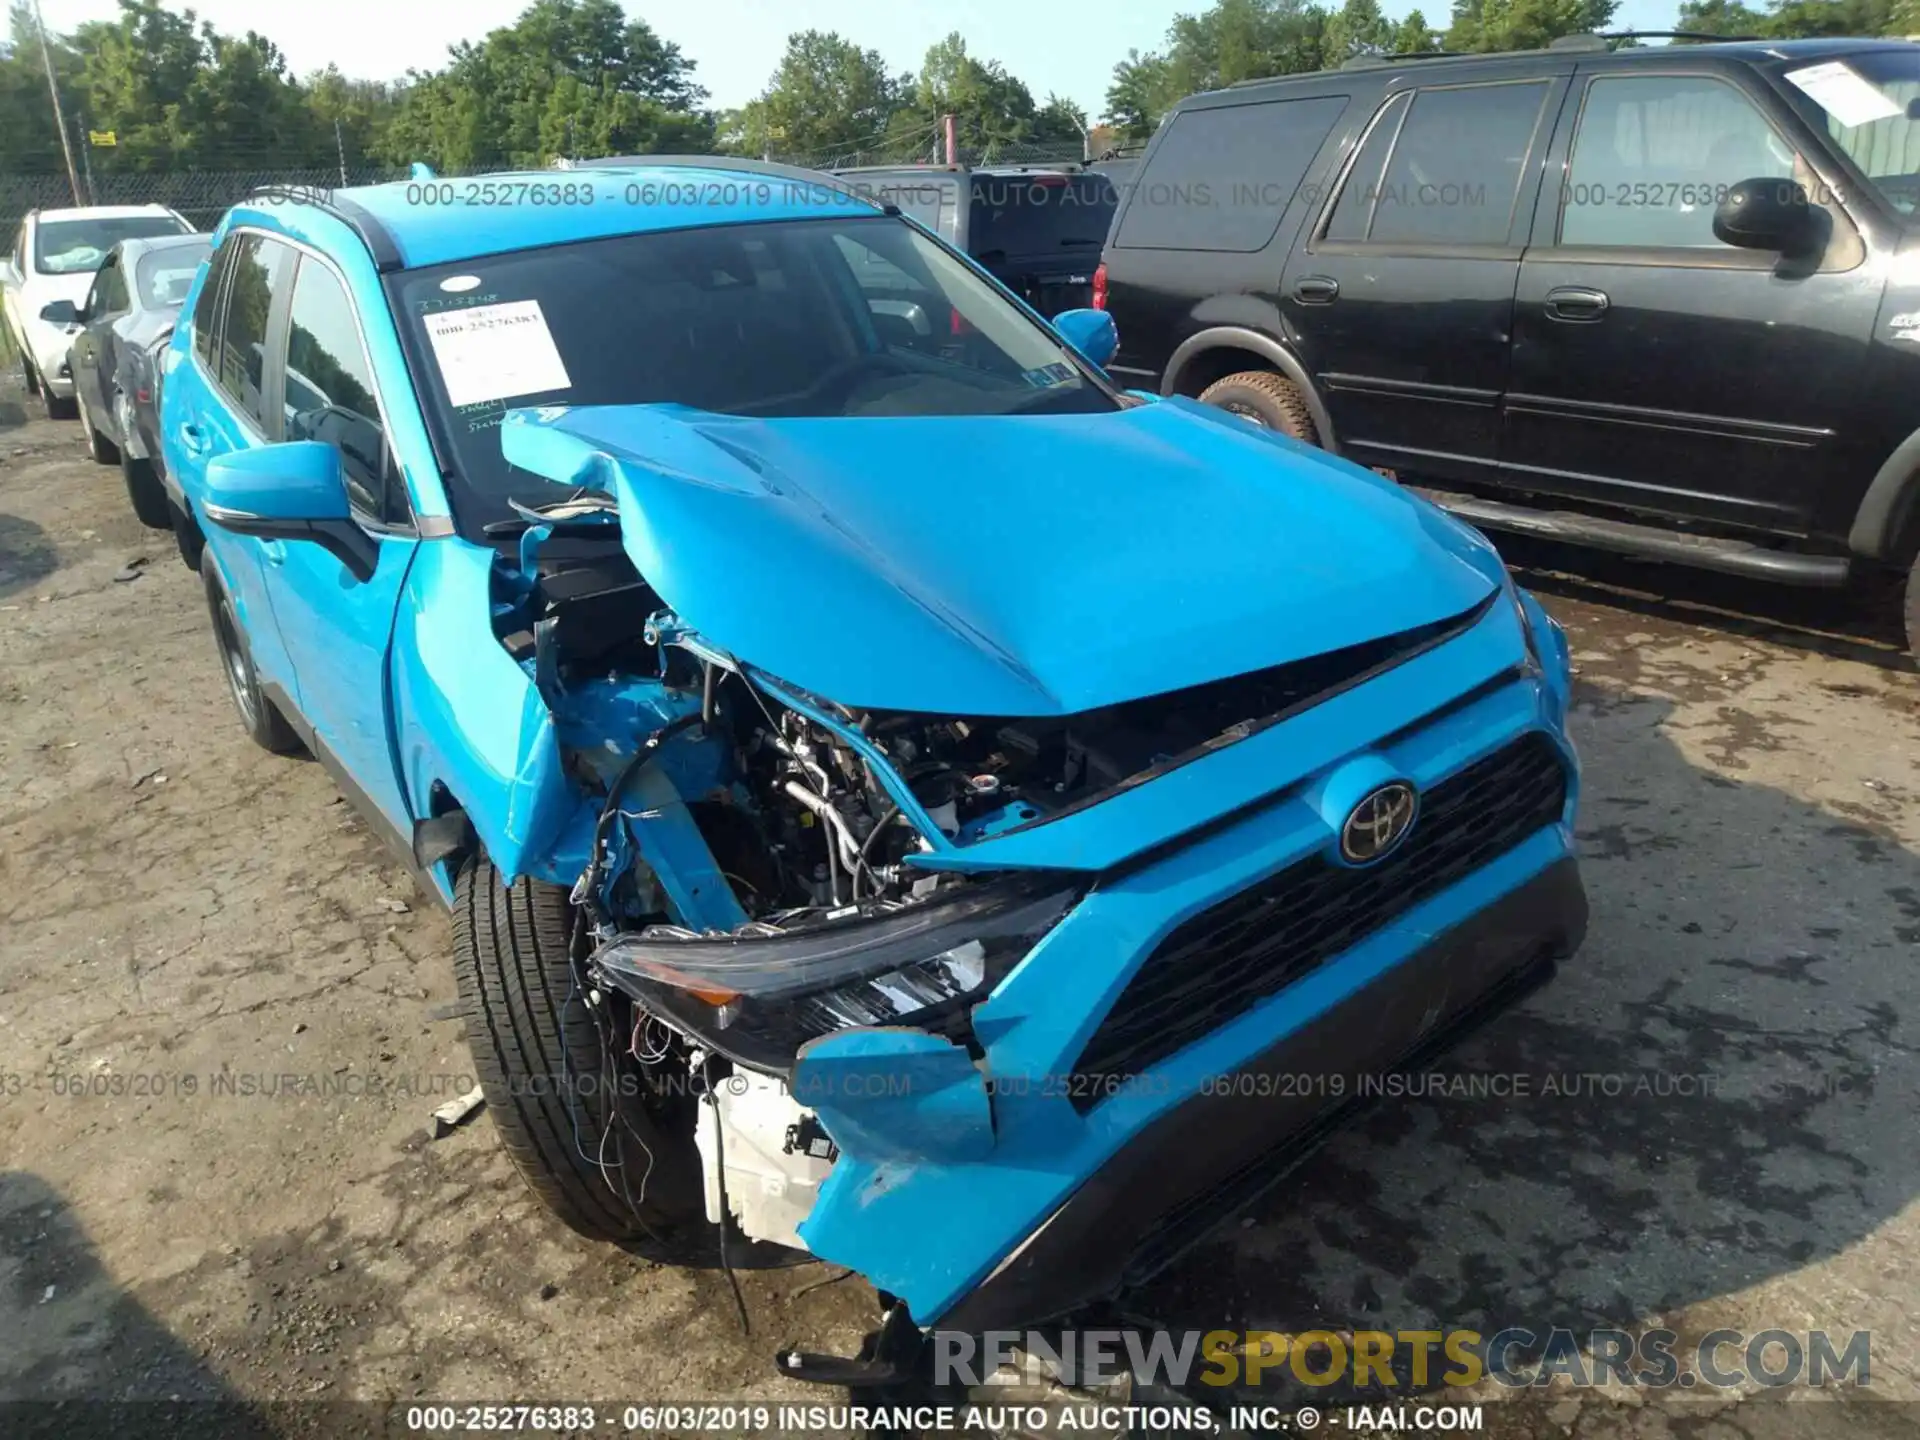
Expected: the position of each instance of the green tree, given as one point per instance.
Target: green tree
(29, 141)
(568, 77)
(826, 95)
(990, 107)
(1486, 25)
(1414, 36)
(1358, 29)
(1139, 94)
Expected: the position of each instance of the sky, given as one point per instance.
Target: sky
(1066, 47)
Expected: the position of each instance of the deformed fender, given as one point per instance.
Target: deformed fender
(467, 717)
(1884, 525)
(1237, 337)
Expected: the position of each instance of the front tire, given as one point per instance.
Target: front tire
(1267, 400)
(570, 1115)
(146, 494)
(56, 407)
(262, 721)
(100, 449)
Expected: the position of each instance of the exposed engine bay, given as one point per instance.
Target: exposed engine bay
(757, 877)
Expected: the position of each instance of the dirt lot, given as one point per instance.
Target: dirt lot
(1739, 1034)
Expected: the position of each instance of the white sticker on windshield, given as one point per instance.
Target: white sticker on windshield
(492, 352)
(1839, 90)
(460, 284)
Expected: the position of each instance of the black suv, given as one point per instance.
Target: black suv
(1661, 300)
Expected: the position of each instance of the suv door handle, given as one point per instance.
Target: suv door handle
(1575, 304)
(275, 551)
(1315, 289)
(193, 441)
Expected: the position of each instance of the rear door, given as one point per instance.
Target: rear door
(217, 404)
(1655, 368)
(1040, 234)
(1401, 298)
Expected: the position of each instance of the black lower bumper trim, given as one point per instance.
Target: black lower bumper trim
(1204, 1161)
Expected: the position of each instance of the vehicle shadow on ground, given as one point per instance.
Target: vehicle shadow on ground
(27, 555)
(1707, 1096)
(81, 1356)
(1860, 623)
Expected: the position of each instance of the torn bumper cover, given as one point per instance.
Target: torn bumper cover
(1126, 1098)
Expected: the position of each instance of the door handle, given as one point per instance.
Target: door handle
(1575, 304)
(192, 440)
(275, 551)
(1315, 289)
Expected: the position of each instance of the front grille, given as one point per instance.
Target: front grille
(1256, 943)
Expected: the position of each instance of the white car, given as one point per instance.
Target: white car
(53, 259)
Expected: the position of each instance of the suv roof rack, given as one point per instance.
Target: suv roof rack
(1700, 35)
(1374, 62)
(375, 236)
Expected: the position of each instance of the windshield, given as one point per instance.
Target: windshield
(1039, 215)
(1871, 105)
(847, 317)
(165, 276)
(76, 247)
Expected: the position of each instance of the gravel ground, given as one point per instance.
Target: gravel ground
(1738, 1147)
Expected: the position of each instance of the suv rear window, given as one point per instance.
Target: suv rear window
(1221, 178)
(1030, 216)
(1452, 162)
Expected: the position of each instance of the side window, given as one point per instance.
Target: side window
(206, 309)
(1455, 166)
(260, 269)
(109, 293)
(1221, 177)
(1655, 154)
(1353, 211)
(329, 391)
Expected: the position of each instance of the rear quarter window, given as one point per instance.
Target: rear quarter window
(1221, 178)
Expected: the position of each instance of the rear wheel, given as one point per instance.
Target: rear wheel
(1263, 398)
(263, 722)
(569, 1107)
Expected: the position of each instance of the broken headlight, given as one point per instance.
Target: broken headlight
(758, 998)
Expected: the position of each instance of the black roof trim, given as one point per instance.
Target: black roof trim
(375, 236)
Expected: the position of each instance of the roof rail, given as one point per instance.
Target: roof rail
(375, 236)
(1374, 62)
(1700, 35)
(773, 169)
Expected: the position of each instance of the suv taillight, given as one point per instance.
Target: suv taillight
(1100, 286)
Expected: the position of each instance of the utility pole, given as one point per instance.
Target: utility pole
(949, 129)
(86, 156)
(340, 149)
(53, 89)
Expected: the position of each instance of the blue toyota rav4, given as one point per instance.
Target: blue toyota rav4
(901, 797)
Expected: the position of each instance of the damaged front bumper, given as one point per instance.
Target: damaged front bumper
(1117, 1053)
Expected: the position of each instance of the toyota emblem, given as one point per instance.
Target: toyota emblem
(1378, 823)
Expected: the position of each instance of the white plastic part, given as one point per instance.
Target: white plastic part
(768, 1190)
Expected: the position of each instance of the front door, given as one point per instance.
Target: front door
(1402, 299)
(338, 627)
(1655, 368)
(93, 356)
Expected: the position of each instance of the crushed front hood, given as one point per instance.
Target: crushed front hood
(1019, 565)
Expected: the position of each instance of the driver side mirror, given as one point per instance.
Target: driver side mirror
(1091, 332)
(295, 490)
(61, 312)
(1765, 213)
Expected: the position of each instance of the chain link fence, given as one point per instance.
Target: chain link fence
(202, 196)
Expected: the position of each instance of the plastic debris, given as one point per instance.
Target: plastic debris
(452, 1115)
